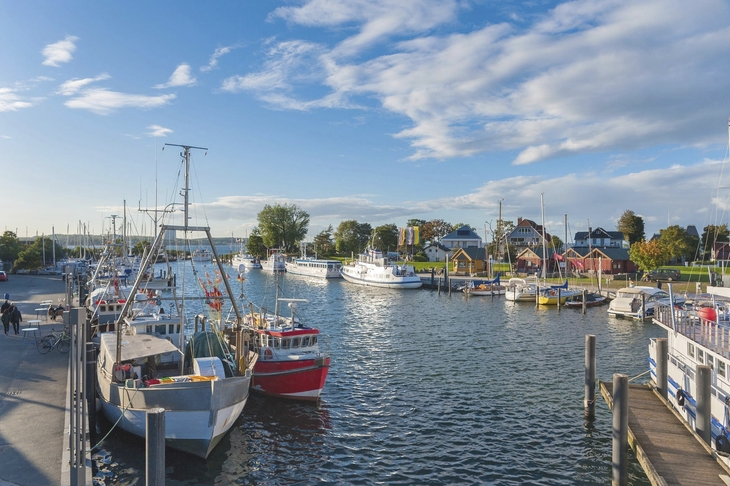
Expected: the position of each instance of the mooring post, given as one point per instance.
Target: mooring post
(662, 352)
(433, 272)
(537, 295)
(620, 430)
(704, 381)
(155, 473)
(583, 307)
(559, 290)
(439, 289)
(643, 306)
(589, 403)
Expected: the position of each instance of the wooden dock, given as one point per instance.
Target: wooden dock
(669, 452)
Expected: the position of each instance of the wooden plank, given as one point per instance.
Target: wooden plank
(667, 450)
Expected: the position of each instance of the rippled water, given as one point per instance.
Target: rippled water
(424, 389)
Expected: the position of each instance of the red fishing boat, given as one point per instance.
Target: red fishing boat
(290, 363)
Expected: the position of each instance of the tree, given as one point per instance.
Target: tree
(632, 226)
(712, 234)
(283, 225)
(32, 257)
(677, 243)
(139, 248)
(385, 237)
(648, 255)
(324, 244)
(351, 236)
(434, 230)
(255, 244)
(9, 246)
(556, 244)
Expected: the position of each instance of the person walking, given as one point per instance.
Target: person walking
(6, 319)
(15, 318)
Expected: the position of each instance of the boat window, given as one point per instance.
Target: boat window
(314, 340)
(102, 308)
(691, 350)
(710, 361)
(721, 368)
(305, 342)
(285, 343)
(295, 342)
(700, 356)
(162, 329)
(171, 329)
(674, 361)
(276, 342)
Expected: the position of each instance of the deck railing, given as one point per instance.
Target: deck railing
(710, 334)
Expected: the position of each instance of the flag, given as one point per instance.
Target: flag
(410, 235)
(558, 257)
(401, 236)
(416, 238)
(578, 264)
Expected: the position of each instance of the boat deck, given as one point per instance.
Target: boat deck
(667, 450)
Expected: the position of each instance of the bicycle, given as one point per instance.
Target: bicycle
(60, 340)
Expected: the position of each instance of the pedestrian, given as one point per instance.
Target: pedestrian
(15, 318)
(6, 305)
(6, 319)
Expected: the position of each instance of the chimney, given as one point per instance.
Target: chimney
(519, 220)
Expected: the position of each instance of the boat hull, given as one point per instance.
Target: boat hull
(298, 380)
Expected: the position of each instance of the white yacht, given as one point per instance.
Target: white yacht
(372, 269)
(275, 262)
(521, 290)
(637, 302)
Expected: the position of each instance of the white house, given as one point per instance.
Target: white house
(436, 252)
(464, 237)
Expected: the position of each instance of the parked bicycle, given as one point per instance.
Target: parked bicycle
(60, 340)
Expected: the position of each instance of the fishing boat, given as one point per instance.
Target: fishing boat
(638, 302)
(202, 255)
(554, 294)
(201, 381)
(275, 262)
(372, 269)
(592, 299)
(290, 363)
(246, 259)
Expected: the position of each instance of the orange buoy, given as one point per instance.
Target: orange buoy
(707, 313)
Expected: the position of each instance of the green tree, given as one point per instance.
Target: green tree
(283, 225)
(648, 255)
(351, 236)
(324, 244)
(434, 230)
(385, 237)
(139, 248)
(632, 226)
(712, 234)
(32, 257)
(9, 246)
(255, 244)
(676, 242)
(556, 244)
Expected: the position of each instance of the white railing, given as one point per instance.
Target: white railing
(710, 334)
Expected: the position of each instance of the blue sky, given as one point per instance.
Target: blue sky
(372, 110)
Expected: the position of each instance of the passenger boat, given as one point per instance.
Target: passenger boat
(638, 302)
(521, 290)
(275, 262)
(374, 270)
(553, 294)
(247, 260)
(694, 338)
(140, 367)
(202, 255)
(314, 267)
(290, 363)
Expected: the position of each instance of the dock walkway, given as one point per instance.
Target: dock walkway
(668, 451)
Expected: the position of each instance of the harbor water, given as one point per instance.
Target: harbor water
(424, 388)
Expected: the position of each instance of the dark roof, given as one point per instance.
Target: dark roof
(537, 250)
(580, 251)
(475, 253)
(599, 233)
(692, 231)
(439, 246)
(461, 233)
(614, 253)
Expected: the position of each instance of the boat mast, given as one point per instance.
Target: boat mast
(544, 246)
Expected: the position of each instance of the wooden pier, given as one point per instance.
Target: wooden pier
(669, 452)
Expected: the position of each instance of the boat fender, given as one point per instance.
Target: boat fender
(680, 397)
(268, 354)
(722, 443)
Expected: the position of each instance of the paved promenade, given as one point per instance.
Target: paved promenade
(33, 391)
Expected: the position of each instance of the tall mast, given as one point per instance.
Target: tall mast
(544, 246)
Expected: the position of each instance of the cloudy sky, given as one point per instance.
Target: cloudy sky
(372, 110)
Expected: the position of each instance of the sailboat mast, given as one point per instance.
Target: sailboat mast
(544, 246)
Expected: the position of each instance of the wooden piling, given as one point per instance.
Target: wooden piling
(704, 397)
(589, 402)
(620, 433)
(583, 306)
(155, 441)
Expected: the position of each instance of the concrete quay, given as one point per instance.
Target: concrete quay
(33, 390)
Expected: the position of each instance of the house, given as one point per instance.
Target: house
(599, 238)
(469, 260)
(527, 233)
(720, 251)
(610, 261)
(464, 237)
(530, 260)
(436, 252)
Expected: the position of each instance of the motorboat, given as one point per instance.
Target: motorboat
(521, 290)
(592, 299)
(202, 255)
(638, 302)
(290, 364)
(246, 259)
(202, 381)
(275, 262)
(372, 269)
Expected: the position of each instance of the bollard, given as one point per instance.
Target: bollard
(583, 306)
(619, 454)
(589, 403)
(155, 441)
(661, 366)
(704, 397)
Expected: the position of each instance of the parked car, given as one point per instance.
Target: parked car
(3, 276)
(662, 274)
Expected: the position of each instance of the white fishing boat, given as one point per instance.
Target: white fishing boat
(246, 259)
(202, 383)
(372, 269)
(275, 262)
(202, 255)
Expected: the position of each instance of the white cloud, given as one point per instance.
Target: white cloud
(213, 62)
(181, 77)
(60, 52)
(73, 86)
(10, 100)
(587, 76)
(102, 101)
(158, 131)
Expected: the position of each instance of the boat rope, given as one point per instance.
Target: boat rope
(637, 376)
(115, 423)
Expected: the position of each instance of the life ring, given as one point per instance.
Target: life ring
(680, 397)
(268, 354)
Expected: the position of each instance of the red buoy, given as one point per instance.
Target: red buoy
(707, 313)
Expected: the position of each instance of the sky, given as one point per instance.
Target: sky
(367, 110)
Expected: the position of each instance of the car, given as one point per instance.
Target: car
(663, 274)
(3, 276)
